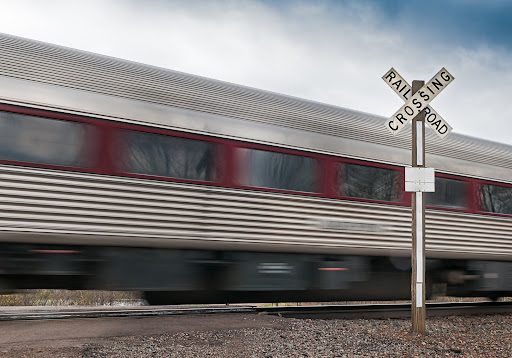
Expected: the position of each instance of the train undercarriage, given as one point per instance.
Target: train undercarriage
(194, 276)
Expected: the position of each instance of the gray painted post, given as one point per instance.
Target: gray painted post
(418, 179)
(418, 311)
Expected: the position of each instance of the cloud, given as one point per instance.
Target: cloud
(332, 52)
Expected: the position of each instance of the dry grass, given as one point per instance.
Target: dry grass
(439, 299)
(69, 298)
(111, 298)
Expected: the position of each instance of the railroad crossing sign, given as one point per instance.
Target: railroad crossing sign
(418, 179)
(418, 102)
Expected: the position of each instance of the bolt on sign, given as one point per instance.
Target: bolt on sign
(415, 104)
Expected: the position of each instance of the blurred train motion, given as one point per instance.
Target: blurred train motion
(121, 176)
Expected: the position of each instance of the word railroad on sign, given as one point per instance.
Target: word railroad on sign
(418, 102)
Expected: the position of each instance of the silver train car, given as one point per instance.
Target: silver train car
(122, 176)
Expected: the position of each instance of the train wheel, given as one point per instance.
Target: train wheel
(156, 298)
(493, 297)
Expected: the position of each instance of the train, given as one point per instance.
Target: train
(116, 175)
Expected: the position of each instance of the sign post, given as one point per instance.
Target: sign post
(418, 179)
(418, 311)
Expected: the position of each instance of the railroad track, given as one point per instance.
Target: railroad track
(390, 310)
(358, 311)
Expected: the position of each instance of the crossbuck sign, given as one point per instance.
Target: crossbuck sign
(418, 179)
(415, 104)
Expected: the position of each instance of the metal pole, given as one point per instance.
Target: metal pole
(418, 224)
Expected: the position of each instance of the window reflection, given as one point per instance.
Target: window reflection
(450, 193)
(31, 139)
(172, 157)
(274, 170)
(365, 182)
(496, 199)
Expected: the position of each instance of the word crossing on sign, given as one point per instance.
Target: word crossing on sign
(418, 102)
(403, 89)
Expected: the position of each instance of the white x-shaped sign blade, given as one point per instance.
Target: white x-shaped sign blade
(413, 106)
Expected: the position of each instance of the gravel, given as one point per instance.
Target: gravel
(455, 336)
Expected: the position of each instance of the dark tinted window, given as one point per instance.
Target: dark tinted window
(25, 138)
(496, 199)
(165, 156)
(450, 193)
(267, 169)
(360, 181)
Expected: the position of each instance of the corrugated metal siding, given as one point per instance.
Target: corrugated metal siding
(468, 233)
(36, 61)
(45, 202)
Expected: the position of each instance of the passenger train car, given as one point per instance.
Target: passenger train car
(122, 176)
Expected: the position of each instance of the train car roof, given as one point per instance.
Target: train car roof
(34, 72)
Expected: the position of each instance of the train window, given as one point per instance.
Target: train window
(496, 199)
(165, 156)
(31, 139)
(365, 182)
(450, 193)
(265, 169)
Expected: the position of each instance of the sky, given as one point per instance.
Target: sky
(330, 51)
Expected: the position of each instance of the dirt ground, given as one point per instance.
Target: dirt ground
(66, 338)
